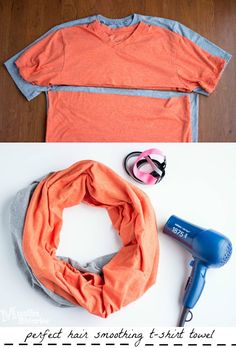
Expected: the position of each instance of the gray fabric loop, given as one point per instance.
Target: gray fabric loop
(94, 266)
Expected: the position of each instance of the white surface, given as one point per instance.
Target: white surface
(200, 186)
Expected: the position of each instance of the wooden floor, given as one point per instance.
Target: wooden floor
(23, 21)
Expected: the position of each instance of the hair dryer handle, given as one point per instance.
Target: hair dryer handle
(195, 284)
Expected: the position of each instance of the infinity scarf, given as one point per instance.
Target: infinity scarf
(128, 274)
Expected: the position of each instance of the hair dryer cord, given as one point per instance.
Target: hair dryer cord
(183, 317)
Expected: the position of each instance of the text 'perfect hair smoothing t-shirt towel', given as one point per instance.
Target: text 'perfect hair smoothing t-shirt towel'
(98, 74)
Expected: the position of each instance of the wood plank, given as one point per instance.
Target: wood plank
(22, 21)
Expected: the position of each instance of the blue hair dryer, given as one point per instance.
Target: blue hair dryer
(208, 248)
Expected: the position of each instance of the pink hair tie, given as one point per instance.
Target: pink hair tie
(143, 158)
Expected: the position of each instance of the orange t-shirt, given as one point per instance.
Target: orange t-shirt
(140, 56)
(96, 117)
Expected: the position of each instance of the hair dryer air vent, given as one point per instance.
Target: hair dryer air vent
(227, 255)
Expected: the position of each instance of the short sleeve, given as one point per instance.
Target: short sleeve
(43, 62)
(199, 62)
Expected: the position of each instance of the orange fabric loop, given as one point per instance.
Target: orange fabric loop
(132, 270)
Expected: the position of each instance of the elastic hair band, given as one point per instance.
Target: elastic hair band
(134, 170)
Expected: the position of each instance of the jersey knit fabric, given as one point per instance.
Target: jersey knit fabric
(136, 53)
